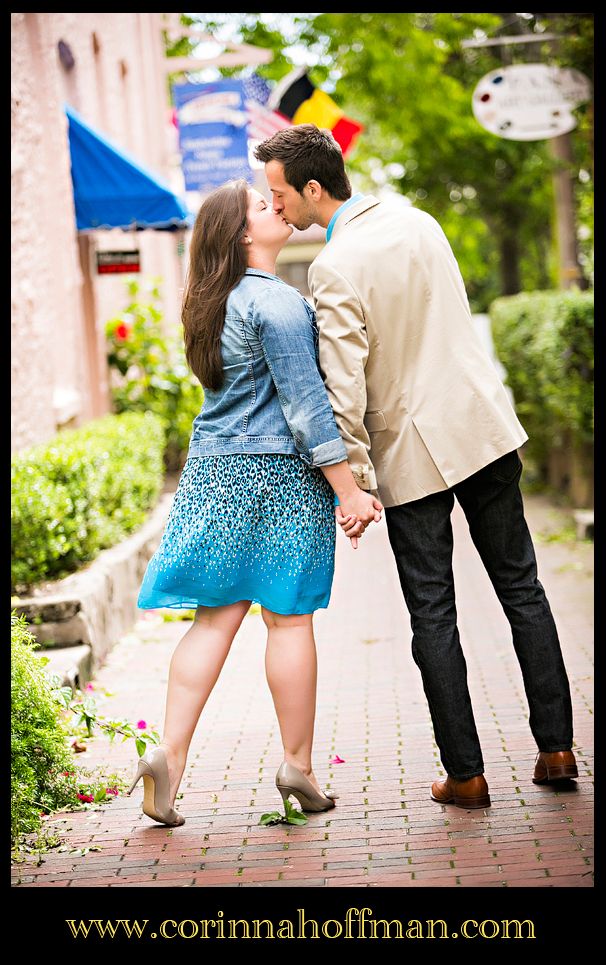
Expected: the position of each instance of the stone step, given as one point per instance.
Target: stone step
(74, 665)
(95, 606)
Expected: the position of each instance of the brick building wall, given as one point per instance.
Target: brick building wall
(59, 307)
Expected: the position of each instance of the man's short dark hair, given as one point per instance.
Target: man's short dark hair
(308, 153)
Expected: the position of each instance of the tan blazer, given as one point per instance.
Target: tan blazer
(416, 397)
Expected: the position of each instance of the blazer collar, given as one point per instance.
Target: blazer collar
(369, 201)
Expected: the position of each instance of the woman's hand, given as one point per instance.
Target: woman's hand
(357, 509)
(347, 520)
(351, 524)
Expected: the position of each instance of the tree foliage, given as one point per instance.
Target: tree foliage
(409, 80)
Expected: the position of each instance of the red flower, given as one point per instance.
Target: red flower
(122, 332)
(87, 798)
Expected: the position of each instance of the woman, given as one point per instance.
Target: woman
(253, 516)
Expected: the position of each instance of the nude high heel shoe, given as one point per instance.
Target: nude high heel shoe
(152, 767)
(290, 780)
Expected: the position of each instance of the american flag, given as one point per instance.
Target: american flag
(262, 122)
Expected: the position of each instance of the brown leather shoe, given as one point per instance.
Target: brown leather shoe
(463, 794)
(554, 766)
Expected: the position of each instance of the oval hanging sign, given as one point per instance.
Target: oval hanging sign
(529, 102)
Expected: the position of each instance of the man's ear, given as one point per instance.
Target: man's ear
(315, 190)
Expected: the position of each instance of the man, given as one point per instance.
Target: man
(425, 418)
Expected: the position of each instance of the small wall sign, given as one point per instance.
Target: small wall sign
(113, 262)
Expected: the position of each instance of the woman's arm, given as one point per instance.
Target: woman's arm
(288, 344)
(287, 340)
(357, 506)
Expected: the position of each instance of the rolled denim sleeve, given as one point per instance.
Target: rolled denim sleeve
(288, 340)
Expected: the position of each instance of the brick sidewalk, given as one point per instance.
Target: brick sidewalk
(385, 830)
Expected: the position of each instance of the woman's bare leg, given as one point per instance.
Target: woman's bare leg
(194, 669)
(291, 667)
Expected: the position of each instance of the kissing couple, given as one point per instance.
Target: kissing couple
(379, 398)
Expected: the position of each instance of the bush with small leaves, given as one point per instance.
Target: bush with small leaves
(40, 755)
(81, 492)
(545, 341)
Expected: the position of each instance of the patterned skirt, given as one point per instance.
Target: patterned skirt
(245, 527)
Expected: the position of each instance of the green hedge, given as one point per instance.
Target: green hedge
(39, 751)
(545, 341)
(82, 491)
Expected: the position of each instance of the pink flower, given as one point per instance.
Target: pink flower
(87, 798)
(337, 760)
(111, 790)
(141, 724)
(89, 687)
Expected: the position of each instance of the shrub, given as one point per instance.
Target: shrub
(39, 751)
(81, 492)
(545, 341)
(149, 372)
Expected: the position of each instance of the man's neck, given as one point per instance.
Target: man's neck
(327, 210)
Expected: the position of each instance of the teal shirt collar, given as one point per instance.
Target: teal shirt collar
(339, 211)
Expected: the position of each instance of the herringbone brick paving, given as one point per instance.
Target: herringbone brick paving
(385, 830)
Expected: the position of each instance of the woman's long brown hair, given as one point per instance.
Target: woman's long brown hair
(217, 262)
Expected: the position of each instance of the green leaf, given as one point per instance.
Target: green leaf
(272, 817)
(141, 746)
(293, 815)
(297, 818)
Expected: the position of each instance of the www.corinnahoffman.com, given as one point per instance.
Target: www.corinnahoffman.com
(357, 923)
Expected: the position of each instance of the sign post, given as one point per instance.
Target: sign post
(534, 102)
(529, 102)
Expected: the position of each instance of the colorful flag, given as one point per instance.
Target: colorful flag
(300, 102)
(262, 122)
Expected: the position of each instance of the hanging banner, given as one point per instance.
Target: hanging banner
(529, 102)
(212, 127)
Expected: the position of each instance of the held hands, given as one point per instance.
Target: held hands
(355, 512)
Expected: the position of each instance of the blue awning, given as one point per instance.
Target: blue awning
(112, 190)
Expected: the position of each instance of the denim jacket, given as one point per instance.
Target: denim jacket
(273, 398)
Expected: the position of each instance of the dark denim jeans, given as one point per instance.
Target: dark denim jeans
(420, 534)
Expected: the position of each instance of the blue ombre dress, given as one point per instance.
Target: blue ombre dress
(253, 515)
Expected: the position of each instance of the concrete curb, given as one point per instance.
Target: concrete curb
(97, 605)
